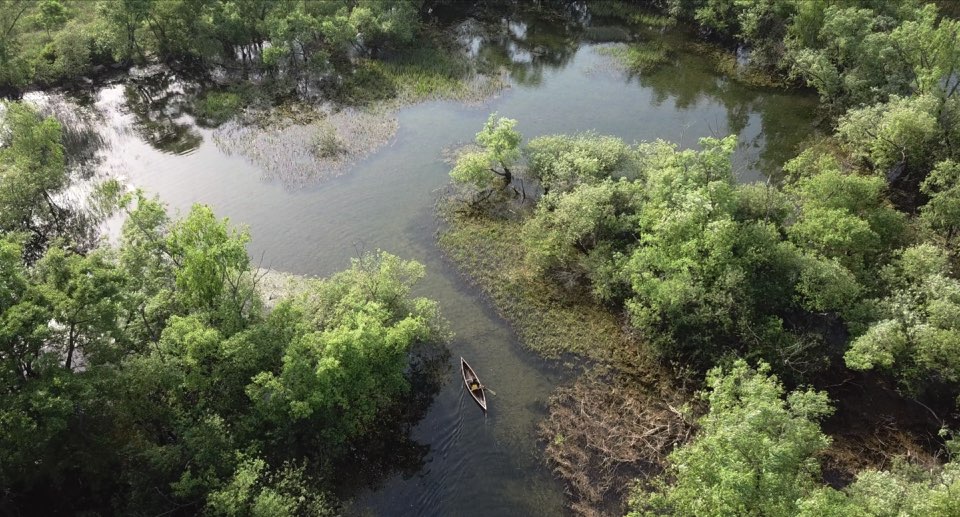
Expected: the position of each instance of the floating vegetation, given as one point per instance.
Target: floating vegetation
(438, 68)
(414, 80)
(630, 13)
(451, 153)
(287, 150)
(636, 58)
(613, 9)
(298, 143)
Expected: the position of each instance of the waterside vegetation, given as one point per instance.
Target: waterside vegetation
(845, 268)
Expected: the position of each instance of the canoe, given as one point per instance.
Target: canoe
(472, 382)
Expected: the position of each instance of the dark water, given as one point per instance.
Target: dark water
(468, 463)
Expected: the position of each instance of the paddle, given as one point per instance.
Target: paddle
(494, 393)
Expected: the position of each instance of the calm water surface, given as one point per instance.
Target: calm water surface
(470, 464)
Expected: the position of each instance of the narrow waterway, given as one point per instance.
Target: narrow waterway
(469, 464)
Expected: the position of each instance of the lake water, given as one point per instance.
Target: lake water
(467, 463)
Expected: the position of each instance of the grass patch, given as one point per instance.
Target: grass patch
(638, 58)
(653, 20)
(549, 320)
(216, 107)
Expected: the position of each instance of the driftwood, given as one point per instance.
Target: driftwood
(602, 435)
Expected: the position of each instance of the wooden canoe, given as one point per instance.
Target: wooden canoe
(472, 382)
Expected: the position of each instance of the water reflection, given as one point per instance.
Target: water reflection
(524, 39)
(160, 104)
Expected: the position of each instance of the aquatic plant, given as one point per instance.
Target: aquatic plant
(326, 143)
(638, 58)
(215, 107)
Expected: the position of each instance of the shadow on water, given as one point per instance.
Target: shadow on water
(442, 455)
(389, 449)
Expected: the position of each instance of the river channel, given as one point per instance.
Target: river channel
(466, 463)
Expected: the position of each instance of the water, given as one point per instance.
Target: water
(468, 463)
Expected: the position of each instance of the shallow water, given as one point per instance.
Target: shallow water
(474, 464)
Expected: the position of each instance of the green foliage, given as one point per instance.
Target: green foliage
(904, 490)
(348, 365)
(499, 149)
(570, 231)
(33, 163)
(755, 452)
(561, 162)
(489, 251)
(689, 271)
(215, 108)
(942, 211)
(67, 57)
(149, 379)
(916, 334)
(703, 267)
(212, 267)
(258, 491)
(51, 15)
(847, 218)
(53, 41)
(33, 177)
(901, 131)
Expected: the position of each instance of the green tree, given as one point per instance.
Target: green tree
(347, 364)
(846, 217)
(499, 149)
(51, 15)
(916, 334)
(32, 173)
(258, 491)
(755, 452)
(84, 296)
(561, 162)
(942, 211)
(902, 131)
(585, 232)
(14, 70)
(904, 490)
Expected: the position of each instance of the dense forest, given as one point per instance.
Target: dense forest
(150, 375)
